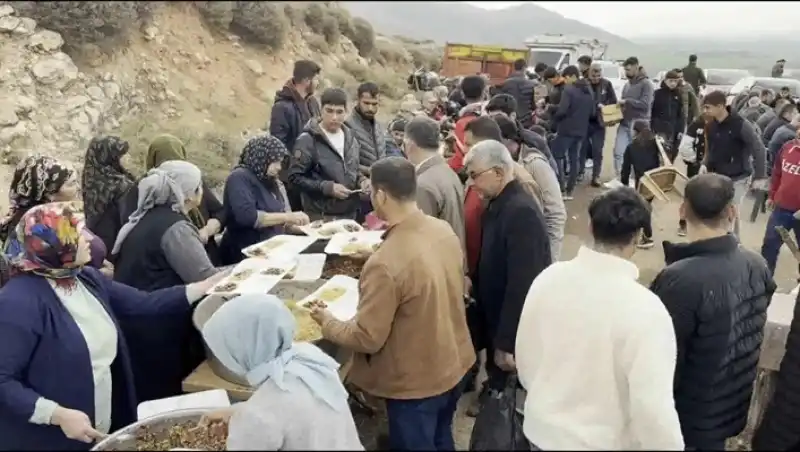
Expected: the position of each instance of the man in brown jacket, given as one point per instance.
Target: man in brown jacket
(410, 337)
(440, 193)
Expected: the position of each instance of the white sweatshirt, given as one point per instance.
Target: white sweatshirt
(596, 353)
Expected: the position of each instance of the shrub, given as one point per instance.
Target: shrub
(262, 23)
(363, 37)
(386, 52)
(293, 12)
(318, 44)
(218, 15)
(360, 72)
(344, 20)
(429, 60)
(103, 23)
(330, 30)
(315, 17)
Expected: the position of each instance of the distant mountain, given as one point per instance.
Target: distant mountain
(465, 23)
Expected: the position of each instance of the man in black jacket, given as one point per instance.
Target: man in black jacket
(575, 110)
(294, 105)
(604, 94)
(521, 88)
(514, 249)
(504, 104)
(733, 148)
(325, 163)
(717, 293)
(667, 118)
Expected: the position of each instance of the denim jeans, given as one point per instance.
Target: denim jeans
(771, 246)
(564, 148)
(623, 139)
(593, 148)
(424, 424)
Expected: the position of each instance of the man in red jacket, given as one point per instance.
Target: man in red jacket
(473, 87)
(784, 195)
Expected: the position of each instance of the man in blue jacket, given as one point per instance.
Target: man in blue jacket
(294, 106)
(571, 121)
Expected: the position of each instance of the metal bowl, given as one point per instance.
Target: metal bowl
(285, 290)
(125, 439)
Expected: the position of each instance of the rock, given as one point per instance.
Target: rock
(150, 33)
(93, 115)
(95, 92)
(23, 105)
(26, 26)
(9, 23)
(76, 102)
(57, 70)
(8, 117)
(111, 90)
(9, 134)
(255, 66)
(6, 10)
(46, 40)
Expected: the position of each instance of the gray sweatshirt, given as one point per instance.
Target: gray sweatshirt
(638, 95)
(555, 214)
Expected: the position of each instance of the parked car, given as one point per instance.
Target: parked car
(722, 79)
(791, 73)
(775, 84)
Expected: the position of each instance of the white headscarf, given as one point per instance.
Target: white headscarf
(252, 336)
(172, 182)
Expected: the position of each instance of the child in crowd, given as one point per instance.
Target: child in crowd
(641, 155)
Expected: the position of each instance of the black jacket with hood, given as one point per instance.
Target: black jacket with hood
(290, 113)
(317, 165)
(667, 117)
(521, 88)
(717, 293)
(575, 110)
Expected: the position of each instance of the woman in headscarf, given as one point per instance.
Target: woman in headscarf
(38, 180)
(104, 184)
(158, 247)
(65, 370)
(255, 200)
(299, 402)
(209, 216)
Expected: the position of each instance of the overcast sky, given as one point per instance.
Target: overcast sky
(685, 18)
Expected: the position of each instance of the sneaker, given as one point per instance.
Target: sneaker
(613, 183)
(567, 196)
(645, 243)
(595, 183)
(682, 230)
(589, 164)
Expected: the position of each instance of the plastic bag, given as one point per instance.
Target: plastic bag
(499, 424)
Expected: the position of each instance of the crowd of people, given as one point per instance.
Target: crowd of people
(100, 273)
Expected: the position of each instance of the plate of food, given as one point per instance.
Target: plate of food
(327, 229)
(307, 267)
(306, 329)
(253, 275)
(280, 246)
(339, 295)
(348, 243)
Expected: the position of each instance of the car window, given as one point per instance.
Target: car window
(725, 76)
(776, 84)
(610, 70)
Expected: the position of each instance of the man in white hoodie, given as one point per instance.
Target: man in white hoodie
(597, 358)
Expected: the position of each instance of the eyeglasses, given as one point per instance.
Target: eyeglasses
(474, 175)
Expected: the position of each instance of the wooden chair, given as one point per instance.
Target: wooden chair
(656, 183)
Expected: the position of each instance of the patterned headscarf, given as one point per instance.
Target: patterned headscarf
(165, 148)
(35, 180)
(104, 179)
(46, 242)
(259, 153)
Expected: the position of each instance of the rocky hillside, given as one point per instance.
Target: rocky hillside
(204, 71)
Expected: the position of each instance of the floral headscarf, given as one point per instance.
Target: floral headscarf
(45, 242)
(104, 179)
(259, 153)
(35, 180)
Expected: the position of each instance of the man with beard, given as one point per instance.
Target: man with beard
(576, 108)
(370, 134)
(691, 106)
(592, 147)
(717, 293)
(294, 106)
(514, 250)
(667, 118)
(694, 75)
(636, 103)
(521, 89)
(584, 62)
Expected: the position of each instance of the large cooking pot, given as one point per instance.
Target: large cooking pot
(285, 290)
(125, 439)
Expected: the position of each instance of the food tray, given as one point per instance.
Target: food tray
(280, 246)
(253, 275)
(125, 438)
(340, 295)
(342, 265)
(308, 267)
(339, 243)
(324, 230)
